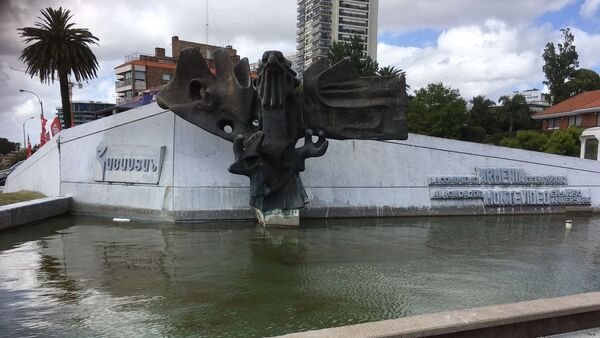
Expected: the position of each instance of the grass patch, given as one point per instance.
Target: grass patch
(20, 196)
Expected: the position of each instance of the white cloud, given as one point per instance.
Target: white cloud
(589, 8)
(400, 16)
(491, 59)
(588, 48)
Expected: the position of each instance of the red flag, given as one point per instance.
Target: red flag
(43, 138)
(55, 126)
(28, 147)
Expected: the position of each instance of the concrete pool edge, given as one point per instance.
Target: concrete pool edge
(311, 213)
(534, 318)
(17, 214)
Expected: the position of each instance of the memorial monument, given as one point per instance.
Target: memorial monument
(266, 119)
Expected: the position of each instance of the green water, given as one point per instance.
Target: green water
(81, 277)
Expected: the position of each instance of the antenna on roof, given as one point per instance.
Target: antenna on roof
(206, 20)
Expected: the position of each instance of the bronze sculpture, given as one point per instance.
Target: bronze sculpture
(265, 119)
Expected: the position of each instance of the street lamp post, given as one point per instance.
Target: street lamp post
(24, 140)
(36, 95)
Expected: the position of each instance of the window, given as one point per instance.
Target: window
(575, 120)
(166, 77)
(140, 75)
(598, 119)
(554, 123)
(127, 75)
(590, 150)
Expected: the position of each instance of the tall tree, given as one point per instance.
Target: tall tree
(355, 50)
(437, 110)
(390, 70)
(584, 80)
(481, 114)
(514, 111)
(560, 66)
(57, 49)
(6, 146)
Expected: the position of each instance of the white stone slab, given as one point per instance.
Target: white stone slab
(354, 178)
(127, 163)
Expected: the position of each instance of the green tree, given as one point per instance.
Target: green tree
(57, 49)
(560, 66)
(527, 139)
(584, 80)
(437, 111)
(6, 146)
(511, 142)
(514, 112)
(390, 70)
(355, 50)
(481, 114)
(564, 142)
(532, 139)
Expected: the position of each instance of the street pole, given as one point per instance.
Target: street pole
(36, 95)
(24, 140)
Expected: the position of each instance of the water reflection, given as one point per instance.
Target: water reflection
(86, 276)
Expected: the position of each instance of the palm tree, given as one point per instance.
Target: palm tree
(60, 50)
(514, 109)
(482, 115)
(390, 70)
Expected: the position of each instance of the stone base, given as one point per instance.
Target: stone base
(289, 218)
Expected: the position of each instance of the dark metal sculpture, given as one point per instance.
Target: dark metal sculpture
(266, 119)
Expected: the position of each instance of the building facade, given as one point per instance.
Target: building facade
(582, 110)
(535, 99)
(83, 111)
(320, 22)
(143, 71)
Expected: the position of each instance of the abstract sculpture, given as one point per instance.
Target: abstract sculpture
(265, 119)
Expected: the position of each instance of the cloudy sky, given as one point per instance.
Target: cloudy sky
(477, 46)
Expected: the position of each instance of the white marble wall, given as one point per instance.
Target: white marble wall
(353, 178)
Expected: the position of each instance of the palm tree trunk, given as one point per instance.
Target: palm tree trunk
(64, 97)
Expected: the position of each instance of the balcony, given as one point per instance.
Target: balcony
(353, 23)
(124, 83)
(344, 4)
(354, 14)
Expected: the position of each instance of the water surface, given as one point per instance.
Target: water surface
(74, 277)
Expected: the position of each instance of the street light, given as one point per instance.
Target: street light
(36, 95)
(25, 141)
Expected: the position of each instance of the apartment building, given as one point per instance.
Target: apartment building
(142, 71)
(83, 111)
(321, 22)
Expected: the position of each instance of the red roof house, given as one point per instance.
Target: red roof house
(582, 110)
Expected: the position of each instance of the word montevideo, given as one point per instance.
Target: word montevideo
(516, 197)
(494, 188)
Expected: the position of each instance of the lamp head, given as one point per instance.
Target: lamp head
(21, 90)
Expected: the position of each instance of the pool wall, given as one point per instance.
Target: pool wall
(536, 318)
(354, 179)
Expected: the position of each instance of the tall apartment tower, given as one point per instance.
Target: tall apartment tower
(322, 21)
